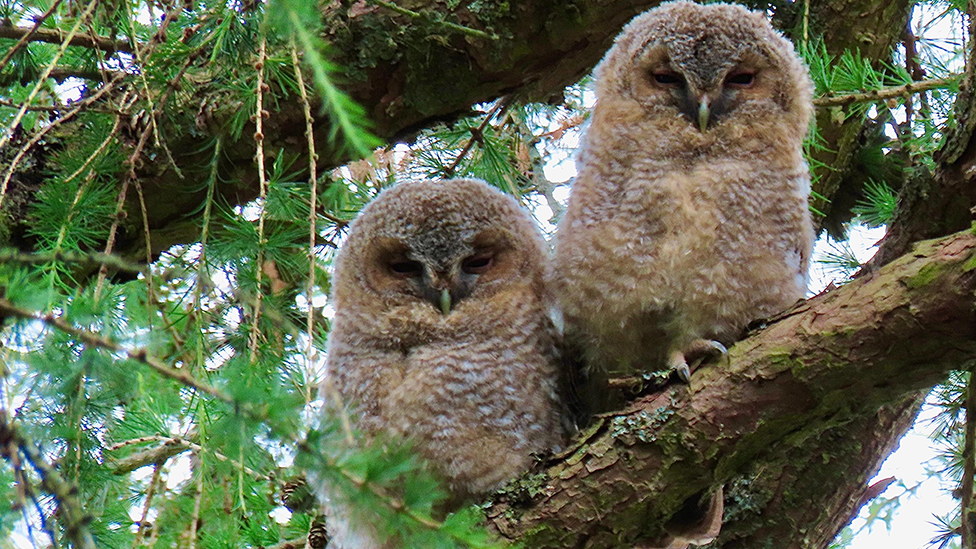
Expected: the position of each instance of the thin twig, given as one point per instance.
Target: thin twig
(390, 501)
(263, 193)
(885, 93)
(132, 176)
(969, 463)
(116, 219)
(76, 426)
(536, 171)
(153, 483)
(52, 108)
(241, 499)
(138, 440)
(76, 108)
(197, 500)
(70, 510)
(95, 259)
(99, 55)
(142, 78)
(171, 446)
(101, 147)
(9, 131)
(917, 73)
(72, 211)
(202, 275)
(60, 74)
(806, 23)
(312, 215)
(477, 133)
(150, 293)
(339, 408)
(296, 543)
(338, 221)
(140, 355)
(394, 503)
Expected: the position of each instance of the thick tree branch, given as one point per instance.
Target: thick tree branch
(853, 358)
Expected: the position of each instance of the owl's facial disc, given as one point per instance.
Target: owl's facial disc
(704, 96)
(705, 102)
(447, 283)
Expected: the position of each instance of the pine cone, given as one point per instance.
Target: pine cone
(296, 496)
(317, 535)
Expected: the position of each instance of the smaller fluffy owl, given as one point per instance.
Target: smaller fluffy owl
(689, 216)
(442, 334)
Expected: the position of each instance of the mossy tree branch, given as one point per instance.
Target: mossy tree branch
(793, 427)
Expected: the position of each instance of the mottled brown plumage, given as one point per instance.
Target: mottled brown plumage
(689, 216)
(441, 333)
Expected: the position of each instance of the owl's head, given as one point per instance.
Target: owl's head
(437, 245)
(708, 63)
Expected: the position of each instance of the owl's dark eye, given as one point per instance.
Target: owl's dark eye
(742, 79)
(406, 268)
(477, 264)
(667, 78)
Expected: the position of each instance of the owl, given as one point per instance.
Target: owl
(442, 334)
(689, 216)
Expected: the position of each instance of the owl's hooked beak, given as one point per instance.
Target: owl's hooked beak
(699, 106)
(442, 290)
(704, 112)
(445, 301)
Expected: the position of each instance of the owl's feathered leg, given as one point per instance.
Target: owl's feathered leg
(698, 350)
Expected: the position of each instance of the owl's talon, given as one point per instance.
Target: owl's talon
(678, 365)
(700, 349)
(706, 348)
(723, 352)
(684, 372)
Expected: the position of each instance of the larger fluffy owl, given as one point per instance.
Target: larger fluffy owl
(442, 333)
(689, 216)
